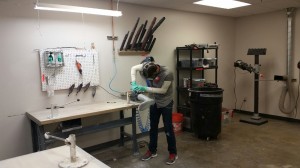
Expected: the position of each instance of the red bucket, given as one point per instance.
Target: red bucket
(177, 120)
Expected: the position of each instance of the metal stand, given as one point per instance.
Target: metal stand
(256, 119)
(73, 161)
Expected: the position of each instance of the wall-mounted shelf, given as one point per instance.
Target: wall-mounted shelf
(133, 53)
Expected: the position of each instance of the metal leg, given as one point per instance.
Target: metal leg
(134, 138)
(34, 136)
(122, 129)
(40, 137)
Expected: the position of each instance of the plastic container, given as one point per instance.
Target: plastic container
(206, 108)
(227, 116)
(177, 120)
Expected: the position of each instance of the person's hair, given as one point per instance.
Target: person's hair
(149, 70)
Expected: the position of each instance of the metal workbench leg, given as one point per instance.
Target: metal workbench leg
(122, 129)
(34, 136)
(134, 138)
(40, 137)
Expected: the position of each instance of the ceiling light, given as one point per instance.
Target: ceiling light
(226, 4)
(77, 9)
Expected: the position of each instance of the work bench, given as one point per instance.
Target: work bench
(50, 159)
(40, 119)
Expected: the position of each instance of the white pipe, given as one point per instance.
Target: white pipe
(147, 102)
(288, 88)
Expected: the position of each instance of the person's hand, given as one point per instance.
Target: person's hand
(141, 88)
(133, 86)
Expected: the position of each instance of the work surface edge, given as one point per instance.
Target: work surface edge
(50, 158)
(80, 111)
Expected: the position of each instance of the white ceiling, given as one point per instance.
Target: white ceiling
(257, 7)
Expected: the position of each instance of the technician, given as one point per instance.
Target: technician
(161, 87)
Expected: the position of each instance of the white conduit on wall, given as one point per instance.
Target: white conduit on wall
(288, 88)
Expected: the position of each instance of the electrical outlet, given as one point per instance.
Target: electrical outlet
(245, 99)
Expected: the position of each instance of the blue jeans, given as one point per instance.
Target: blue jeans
(166, 113)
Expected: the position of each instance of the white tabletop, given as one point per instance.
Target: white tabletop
(80, 111)
(50, 159)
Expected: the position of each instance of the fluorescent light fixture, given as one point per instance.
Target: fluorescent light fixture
(77, 9)
(226, 4)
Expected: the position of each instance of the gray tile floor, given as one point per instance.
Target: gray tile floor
(240, 145)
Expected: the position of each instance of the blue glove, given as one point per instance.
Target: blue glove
(133, 86)
(141, 88)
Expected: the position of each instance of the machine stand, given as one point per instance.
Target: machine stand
(256, 119)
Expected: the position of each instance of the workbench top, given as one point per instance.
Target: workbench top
(80, 111)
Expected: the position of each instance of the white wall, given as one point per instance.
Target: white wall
(22, 31)
(265, 31)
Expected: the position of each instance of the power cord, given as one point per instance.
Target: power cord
(114, 50)
(234, 91)
(142, 128)
(108, 92)
(242, 105)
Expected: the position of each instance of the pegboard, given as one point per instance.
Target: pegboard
(63, 76)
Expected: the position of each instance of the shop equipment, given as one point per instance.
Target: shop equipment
(255, 119)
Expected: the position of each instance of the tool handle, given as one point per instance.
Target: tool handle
(136, 37)
(158, 24)
(131, 34)
(124, 41)
(148, 33)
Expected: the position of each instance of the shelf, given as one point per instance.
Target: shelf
(186, 111)
(184, 107)
(180, 88)
(133, 53)
(196, 68)
(192, 59)
(199, 49)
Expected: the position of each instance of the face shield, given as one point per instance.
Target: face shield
(150, 70)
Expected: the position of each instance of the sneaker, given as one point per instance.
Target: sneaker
(172, 159)
(148, 155)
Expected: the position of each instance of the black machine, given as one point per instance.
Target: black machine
(255, 119)
(244, 66)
